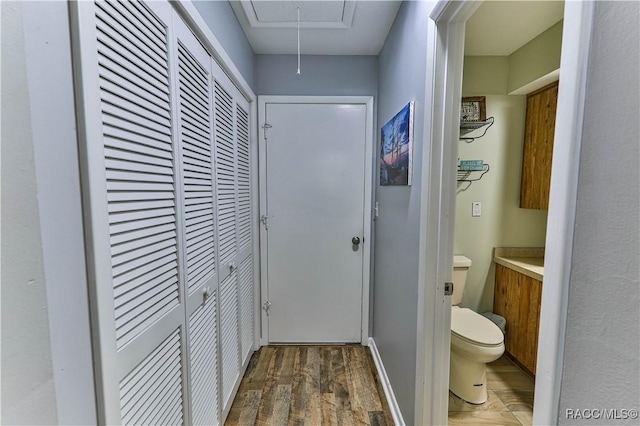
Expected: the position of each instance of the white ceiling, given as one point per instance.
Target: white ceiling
(360, 27)
(498, 28)
(328, 27)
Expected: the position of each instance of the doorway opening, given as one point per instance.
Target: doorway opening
(509, 92)
(450, 19)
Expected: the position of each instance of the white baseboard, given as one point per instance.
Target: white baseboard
(386, 385)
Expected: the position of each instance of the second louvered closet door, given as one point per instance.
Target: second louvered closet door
(226, 186)
(233, 183)
(198, 199)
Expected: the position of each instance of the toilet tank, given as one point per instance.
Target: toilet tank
(461, 265)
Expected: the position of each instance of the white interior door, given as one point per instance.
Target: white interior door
(315, 195)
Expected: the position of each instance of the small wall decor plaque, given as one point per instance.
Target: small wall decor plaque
(471, 165)
(396, 148)
(473, 109)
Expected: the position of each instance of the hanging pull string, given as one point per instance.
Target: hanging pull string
(298, 41)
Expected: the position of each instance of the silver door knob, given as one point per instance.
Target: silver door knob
(355, 241)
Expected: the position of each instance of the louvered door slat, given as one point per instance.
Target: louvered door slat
(120, 66)
(122, 165)
(149, 101)
(139, 17)
(134, 236)
(119, 74)
(139, 36)
(159, 374)
(138, 243)
(139, 105)
(204, 363)
(116, 35)
(229, 334)
(123, 120)
(129, 146)
(151, 22)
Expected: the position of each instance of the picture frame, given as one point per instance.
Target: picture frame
(473, 109)
(396, 148)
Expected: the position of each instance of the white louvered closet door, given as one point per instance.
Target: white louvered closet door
(244, 228)
(134, 210)
(195, 124)
(225, 159)
(233, 182)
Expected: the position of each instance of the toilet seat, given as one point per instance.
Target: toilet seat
(473, 328)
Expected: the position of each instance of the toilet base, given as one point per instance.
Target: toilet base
(468, 379)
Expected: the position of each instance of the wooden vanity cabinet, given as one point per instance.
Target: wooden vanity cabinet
(517, 297)
(540, 123)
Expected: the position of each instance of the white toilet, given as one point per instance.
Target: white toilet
(475, 341)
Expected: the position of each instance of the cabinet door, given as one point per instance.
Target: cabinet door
(528, 322)
(506, 297)
(538, 147)
(517, 298)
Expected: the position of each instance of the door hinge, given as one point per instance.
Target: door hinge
(266, 126)
(448, 289)
(265, 221)
(266, 306)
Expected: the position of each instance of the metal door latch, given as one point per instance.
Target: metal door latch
(266, 306)
(448, 289)
(265, 221)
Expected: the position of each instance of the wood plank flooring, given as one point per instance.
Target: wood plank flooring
(310, 385)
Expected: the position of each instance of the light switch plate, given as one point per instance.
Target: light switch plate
(476, 209)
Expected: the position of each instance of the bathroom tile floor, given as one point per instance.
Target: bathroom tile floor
(510, 400)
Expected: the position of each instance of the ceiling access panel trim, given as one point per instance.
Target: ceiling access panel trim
(348, 11)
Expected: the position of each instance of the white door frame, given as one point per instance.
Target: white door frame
(444, 84)
(368, 197)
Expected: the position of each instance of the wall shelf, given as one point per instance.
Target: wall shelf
(470, 176)
(470, 126)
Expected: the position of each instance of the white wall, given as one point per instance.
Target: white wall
(47, 375)
(602, 348)
(402, 74)
(27, 370)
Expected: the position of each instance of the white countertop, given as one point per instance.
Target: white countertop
(527, 261)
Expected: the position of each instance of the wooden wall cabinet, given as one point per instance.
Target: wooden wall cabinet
(517, 298)
(540, 125)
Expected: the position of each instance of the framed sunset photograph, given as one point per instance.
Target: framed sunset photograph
(396, 148)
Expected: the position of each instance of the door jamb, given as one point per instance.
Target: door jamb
(445, 33)
(576, 39)
(368, 197)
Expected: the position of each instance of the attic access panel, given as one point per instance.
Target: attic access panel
(313, 14)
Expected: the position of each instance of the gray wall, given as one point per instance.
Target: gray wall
(320, 75)
(602, 350)
(395, 308)
(46, 350)
(223, 23)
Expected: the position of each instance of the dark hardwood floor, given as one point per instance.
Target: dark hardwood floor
(311, 385)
